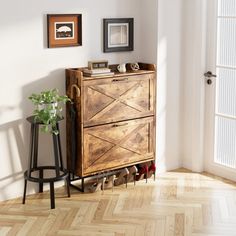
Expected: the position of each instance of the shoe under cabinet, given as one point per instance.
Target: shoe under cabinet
(111, 123)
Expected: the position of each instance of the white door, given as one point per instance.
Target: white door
(220, 119)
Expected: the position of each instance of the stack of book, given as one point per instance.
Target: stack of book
(97, 72)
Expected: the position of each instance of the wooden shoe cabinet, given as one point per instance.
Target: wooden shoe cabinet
(114, 120)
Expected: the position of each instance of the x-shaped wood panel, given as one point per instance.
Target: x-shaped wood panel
(115, 144)
(117, 98)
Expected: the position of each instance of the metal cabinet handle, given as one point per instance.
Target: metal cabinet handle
(118, 80)
(118, 125)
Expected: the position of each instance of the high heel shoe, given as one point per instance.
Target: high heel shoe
(151, 170)
(94, 187)
(132, 174)
(122, 176)
(109, 182)
(142, 172)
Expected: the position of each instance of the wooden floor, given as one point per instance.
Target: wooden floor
(177, 203)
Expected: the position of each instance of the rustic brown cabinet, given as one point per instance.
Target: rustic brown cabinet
(115, 119)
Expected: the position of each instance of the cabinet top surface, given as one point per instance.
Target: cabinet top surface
(116, 74)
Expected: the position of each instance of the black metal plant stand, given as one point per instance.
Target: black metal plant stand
(60, 172)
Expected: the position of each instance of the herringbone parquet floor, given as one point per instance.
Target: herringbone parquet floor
(177, 203)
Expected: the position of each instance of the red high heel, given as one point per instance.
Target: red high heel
(152, 170)
(142, 172)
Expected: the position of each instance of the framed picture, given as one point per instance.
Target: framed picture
(64, 30)
(118, 34)
(102, 64)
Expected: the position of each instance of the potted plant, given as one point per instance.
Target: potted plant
(48, 108)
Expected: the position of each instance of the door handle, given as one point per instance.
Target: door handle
(209, 75)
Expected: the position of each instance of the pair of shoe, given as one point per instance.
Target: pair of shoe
(126, 175)
(102, 184)
(132, 174)
(151, 170)
(146, 172)
(94, 186)
(109, 182)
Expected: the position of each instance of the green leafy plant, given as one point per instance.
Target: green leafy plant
(48, 109)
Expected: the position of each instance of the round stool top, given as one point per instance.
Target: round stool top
(32, 120)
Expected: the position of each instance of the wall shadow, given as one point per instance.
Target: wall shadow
(16, 138)
(56, 79)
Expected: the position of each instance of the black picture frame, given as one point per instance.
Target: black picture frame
(70, 33)
(118, 34)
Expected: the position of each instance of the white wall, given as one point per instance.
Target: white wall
(161, 43)
(193, 68)
(181, 61)
(28, 66)
(148, 12)
(169, 94)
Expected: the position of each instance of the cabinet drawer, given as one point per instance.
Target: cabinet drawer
(117, 99)
(117, 145)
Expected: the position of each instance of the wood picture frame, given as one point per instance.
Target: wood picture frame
(118, 34)
(64, 30)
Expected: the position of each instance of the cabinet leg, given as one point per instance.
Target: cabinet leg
(68, 185)
(24, 194)
(82, 185)
(103, 181)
